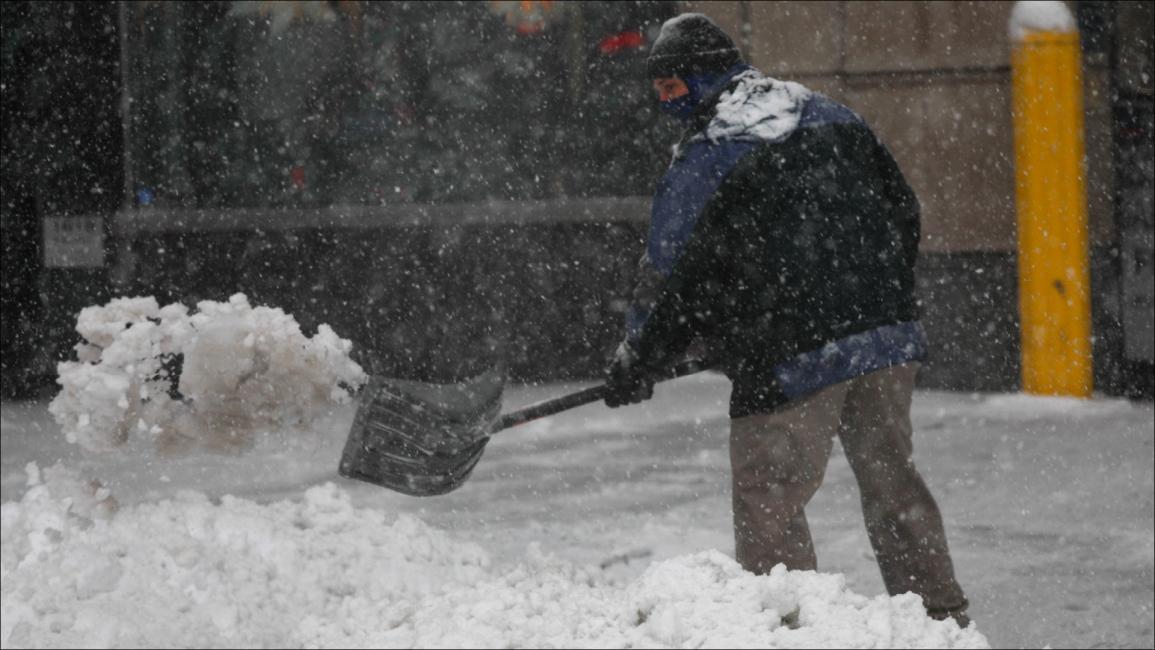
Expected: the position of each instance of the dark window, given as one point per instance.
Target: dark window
(271, 104)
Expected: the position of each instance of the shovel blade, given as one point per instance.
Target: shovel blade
(418, 438)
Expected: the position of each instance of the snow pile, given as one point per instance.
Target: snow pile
(322, 573)
(241, 370)
(1040, 16)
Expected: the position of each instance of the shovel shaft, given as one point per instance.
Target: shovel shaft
(549, 407)
(580, 398)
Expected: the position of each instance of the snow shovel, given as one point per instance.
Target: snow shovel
(425, 439)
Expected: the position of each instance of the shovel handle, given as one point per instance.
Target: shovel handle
(582, 397)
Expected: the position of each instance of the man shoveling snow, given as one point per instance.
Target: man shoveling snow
(785, 236)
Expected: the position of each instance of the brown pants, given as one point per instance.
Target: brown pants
(778, 462)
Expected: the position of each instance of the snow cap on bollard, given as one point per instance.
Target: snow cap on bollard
(691, 44)
(1040, 16)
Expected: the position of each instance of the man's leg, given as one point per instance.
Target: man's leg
(902, 518)
(778, 461)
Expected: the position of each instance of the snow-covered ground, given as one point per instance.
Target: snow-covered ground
(133, 519)
(596, 527)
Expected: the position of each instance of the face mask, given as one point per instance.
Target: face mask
(683, 107)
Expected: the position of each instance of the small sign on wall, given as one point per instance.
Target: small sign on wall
(73, 242)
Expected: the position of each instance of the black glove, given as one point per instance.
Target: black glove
(626, 381)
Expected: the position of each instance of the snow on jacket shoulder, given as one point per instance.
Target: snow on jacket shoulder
(755, 108)
(752, 109)
(784, 233)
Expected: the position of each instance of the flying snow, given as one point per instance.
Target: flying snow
(241, 370)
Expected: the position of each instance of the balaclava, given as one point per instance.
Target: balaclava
(697, 51)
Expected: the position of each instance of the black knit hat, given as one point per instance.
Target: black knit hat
(691, 44)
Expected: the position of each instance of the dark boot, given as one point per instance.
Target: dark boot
(958, 613)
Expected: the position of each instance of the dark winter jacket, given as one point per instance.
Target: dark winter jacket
(785, 236)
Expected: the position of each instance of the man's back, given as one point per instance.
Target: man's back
(808, 234)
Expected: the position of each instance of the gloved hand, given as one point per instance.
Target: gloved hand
(626, 381)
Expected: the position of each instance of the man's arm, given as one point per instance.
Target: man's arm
(647, 288)
(691, 302)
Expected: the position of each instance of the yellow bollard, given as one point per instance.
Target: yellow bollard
(1054, 280)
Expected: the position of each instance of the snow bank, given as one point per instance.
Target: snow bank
(78, 572)
(1040, 16)
(1024, 406)
(242, 369)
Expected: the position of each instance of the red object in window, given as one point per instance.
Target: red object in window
(297, 174)
(616, 43)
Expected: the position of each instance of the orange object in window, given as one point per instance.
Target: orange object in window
(525, 16)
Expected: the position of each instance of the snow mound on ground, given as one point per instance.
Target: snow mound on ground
(321, 573)
(242, 370)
